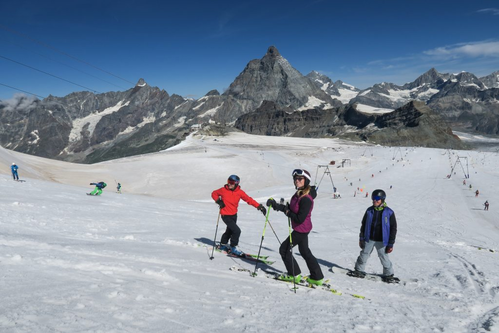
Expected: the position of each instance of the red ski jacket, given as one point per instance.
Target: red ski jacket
(231, 199)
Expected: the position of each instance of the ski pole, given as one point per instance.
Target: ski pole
(291, 251)
(215, 239)
(263, 236)
(275, 233)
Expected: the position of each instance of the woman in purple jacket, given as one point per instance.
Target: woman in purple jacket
(299, 210)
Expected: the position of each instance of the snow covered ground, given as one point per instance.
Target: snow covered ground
(139, 261)
(371, 109)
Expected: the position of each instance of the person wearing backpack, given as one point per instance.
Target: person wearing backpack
(98, 188)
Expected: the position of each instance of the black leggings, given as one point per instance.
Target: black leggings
(289, 261)
(233, 231)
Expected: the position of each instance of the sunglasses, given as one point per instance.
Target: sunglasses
(377, 198)
(298, 178)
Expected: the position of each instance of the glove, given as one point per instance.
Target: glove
(262, 209)
(220, 203)
(271, 202)
(388, 249)
(280, 208)
(362, 244)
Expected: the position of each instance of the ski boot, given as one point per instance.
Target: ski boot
(289, 278)
(357, 274)
(315, 282)
(390, 279)
(224, 247)
(235, 251)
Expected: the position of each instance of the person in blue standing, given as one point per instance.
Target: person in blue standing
(299, 211)
(98, 188)
(14, 168)
(378, 230)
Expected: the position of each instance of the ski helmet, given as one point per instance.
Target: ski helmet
(233, 179)
(302, 173)
(378, 194)
(13, 163)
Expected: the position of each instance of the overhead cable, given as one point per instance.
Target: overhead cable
(61, 52)
(24, 91)
(39, 70)
(64, 64)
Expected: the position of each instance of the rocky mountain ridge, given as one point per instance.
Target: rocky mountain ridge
(413, 124)
(467, 102)
(86, 127)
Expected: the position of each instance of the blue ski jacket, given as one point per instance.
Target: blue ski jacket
(388, 227)
(14, 168)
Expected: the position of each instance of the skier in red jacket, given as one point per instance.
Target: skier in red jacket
(227, 197)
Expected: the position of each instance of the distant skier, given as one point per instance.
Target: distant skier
(118, 188)
(299, 211)
(486, 204)
(367, 194)
(378, 230)
(477, 193)
(14, 168)
(464, 182)
(227, 198)
(98, 188)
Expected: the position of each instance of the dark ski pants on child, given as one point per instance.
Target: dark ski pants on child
(232, 232)
(289, 261)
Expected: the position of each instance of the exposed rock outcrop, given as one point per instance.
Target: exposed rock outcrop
(412, 124)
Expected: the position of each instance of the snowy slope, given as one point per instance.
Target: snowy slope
(138, 263)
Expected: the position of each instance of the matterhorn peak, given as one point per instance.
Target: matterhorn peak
(141, 83)
(273, 52)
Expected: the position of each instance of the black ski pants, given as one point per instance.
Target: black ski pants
(289, 261)
(232, 232)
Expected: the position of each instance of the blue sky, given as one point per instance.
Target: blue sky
(190, 47)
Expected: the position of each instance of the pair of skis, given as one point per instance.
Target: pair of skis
(371, 277)
(326, 286)
(247, 256)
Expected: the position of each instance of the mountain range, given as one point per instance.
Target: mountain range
(87, 128)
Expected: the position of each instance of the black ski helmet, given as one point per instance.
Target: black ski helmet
(234, 179)
(302, 173)
(378, 194)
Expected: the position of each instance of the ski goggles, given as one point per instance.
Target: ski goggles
(232, 182)
(378, 198)
(300, 173)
